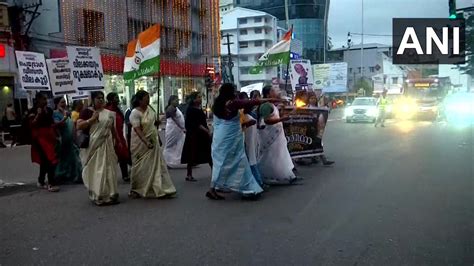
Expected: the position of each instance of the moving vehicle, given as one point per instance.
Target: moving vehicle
(422, 98)
(458, 108)
(362, 109)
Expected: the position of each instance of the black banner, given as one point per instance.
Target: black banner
(304, 130)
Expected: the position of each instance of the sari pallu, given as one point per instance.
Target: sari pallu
(174, 140)
(274, 160)
(251, 149)
(149, 174)
(231, 169)
(99, 161)
(69, 167)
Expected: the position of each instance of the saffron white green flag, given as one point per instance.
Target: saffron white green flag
(278, 54)
(143, 54)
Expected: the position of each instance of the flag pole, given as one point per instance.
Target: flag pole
(288, 67)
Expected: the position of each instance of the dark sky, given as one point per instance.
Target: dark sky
(345, 16)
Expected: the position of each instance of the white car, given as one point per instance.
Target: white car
(362, 109)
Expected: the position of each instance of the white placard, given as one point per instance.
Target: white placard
(331, 77)
(301, 75)
(80, 95)
(60, 76)
(86, 68)
(32, 71)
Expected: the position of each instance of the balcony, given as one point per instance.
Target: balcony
(257, 37)
(252, 50)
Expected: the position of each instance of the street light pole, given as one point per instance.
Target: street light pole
(362, 45)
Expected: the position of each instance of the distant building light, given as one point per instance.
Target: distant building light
(3, 49)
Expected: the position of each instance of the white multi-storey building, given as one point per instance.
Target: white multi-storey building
(252, 34)
(226, 5)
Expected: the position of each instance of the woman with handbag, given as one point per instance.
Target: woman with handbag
(98, 155)
(149, 175)
(69, 167)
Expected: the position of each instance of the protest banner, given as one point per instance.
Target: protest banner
(32, 71)
(60, 76)
(86, 68)
(301, 75)
(304, 130)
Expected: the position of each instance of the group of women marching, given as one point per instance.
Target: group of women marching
(243, 158)
(98, 132)
(247, 149)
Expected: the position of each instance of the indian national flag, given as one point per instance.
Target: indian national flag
(278, 54)
(143, 54)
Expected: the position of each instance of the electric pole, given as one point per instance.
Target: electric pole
(230, 64)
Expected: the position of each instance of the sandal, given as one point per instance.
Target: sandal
(190, 179)
(42, 186)
(53, 188)
(134, 195)
(214, 196)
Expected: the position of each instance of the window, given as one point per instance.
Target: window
(243, 44)
(372, 69)
(94, 27)
(244, 58)
(395, 80)
(258, 43)
(243, 21)
(243, 32)
(258, 20)
(358, 69)
(258, 31)
(350, 70)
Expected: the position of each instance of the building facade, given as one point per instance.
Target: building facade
(377, 66)
(251, 34)
(225, 5)
(189, 36)
(308, 18)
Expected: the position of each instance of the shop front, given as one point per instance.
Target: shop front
(177, 78)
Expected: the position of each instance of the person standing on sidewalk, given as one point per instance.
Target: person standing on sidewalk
(122, 152)
(98, 155)
(11, 119)
(382, 105)
(197, 144)
(69, 167)
(149, 176)
(43, 138)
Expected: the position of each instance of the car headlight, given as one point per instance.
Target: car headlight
(349, 111)
(372, 112)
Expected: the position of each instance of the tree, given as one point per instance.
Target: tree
(366, 85)
(468, 68)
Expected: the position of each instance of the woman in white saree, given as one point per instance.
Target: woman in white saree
(175, 134)
(274, 160)
(149, 174)
(98, 158)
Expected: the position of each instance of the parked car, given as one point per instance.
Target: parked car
(362, 109)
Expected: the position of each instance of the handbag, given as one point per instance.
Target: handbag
(82, 139)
